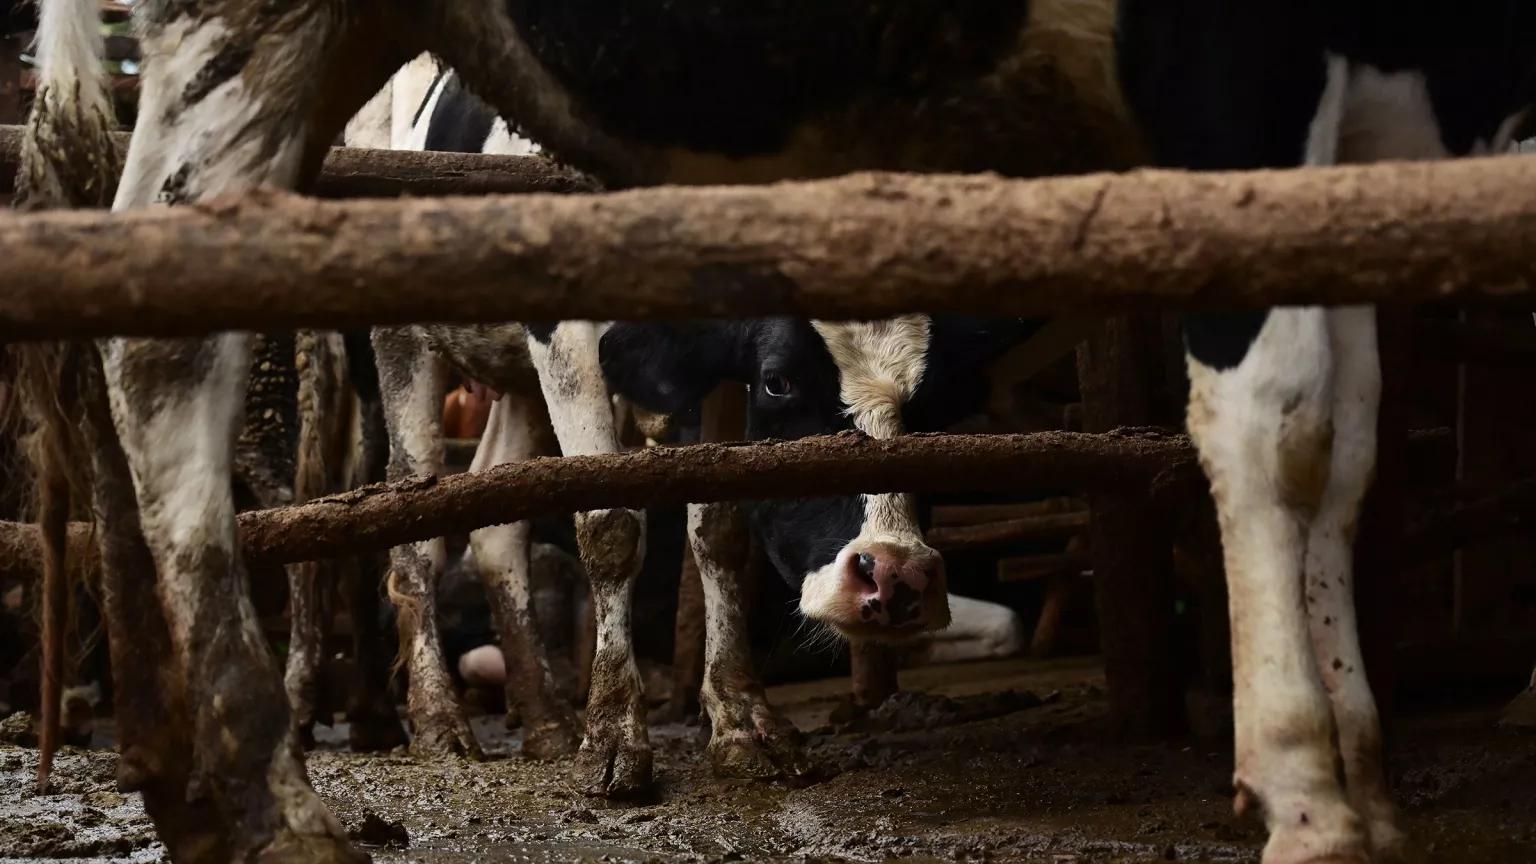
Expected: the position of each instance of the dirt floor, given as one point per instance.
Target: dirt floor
(1011, 767)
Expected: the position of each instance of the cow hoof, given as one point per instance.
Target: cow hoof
(1305, 847)
(1320, 832)
(1520, 715)
(610, 767)
(774, 751)
(550, 740)
(438, 735)
(1391, 846)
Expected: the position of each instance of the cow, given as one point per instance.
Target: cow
(749, 738)
(238, 93)
(451, 118)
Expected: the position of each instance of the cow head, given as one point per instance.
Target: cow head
(858, 562)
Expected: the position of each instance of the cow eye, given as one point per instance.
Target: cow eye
(776, 385)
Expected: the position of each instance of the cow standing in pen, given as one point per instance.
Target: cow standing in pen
(238, 93)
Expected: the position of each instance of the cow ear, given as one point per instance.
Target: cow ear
(670, 367)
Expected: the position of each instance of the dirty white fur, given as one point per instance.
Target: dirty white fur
(180, 456)
(574, 388)
(880, 365)
(69, 55)
(726, 650)
(501, 551)
(1288, 439)
(1259, 428)
(220, 157)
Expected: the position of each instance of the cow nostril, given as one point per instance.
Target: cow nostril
(867, 567)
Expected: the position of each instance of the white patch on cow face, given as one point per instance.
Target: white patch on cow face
(880, 365)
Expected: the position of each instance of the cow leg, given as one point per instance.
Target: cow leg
(615, 756)
(148, 697)
(227, 103)
(1263, 428)
(501, 553)
(748, 738)
(413, 382)
(176, 406)
(1330, 584)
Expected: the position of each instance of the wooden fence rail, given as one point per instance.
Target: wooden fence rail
(862, 246)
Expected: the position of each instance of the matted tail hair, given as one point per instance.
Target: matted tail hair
(68, 159)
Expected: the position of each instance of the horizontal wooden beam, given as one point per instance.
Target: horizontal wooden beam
(389, 514)
(1007, 532)
(863, 246)
(352, 172)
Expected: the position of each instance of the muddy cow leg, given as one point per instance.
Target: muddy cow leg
(413, 382)
(615, 756)
(259, 117)
(501, 553)
(1330, 584)
(176, 405)
(148, 696)
(1263, 428)
(748, 738)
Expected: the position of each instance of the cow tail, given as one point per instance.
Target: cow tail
(68, 159)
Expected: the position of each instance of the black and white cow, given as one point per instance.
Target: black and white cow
(899, 564)
(237, 93)
(859, 563)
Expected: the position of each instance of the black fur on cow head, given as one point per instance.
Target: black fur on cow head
(795, 393)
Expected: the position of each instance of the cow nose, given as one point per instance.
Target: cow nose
(890, 586)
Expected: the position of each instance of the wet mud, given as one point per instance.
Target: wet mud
(988, 762)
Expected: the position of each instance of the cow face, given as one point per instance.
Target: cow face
(859, 562)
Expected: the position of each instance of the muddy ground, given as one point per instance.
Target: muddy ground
(1012, 767)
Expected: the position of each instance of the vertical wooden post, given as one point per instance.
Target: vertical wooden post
(688, 642)
(874, 673)
(1132, 553)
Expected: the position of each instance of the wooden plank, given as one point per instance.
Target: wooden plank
(1027, 568)
(1119, 369)
(978, 514)
(990, 535)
